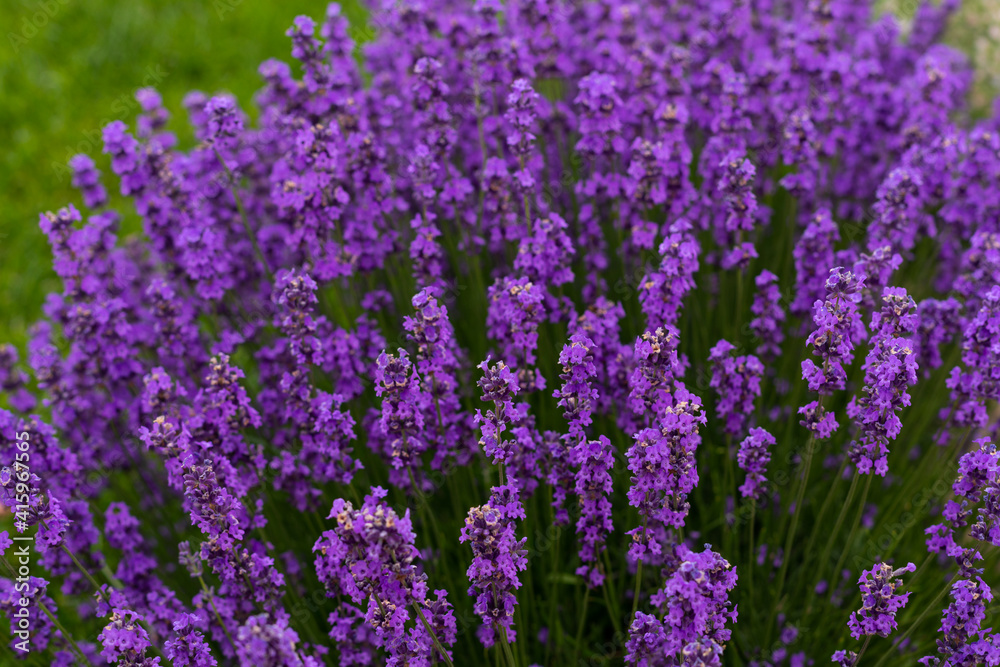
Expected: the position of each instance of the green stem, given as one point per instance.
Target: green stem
(65, 634)
(864, 647)
(854, 528)
(506, 646)
(218, 616)
(821, 566)
(638, 585)
(243, 216)
(430, 631)
(55, 621)
(579, 627)
(799, 497)
(750, 561)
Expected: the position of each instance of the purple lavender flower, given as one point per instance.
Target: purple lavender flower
(594, 460)
(577, 396)
(664, 471)
(880, 602)
(838, 330)
(963, 640)
(499, 387)
(544, 256)
(814, 258)
(768, 316)
(269, 643)
(890, 368)
(125, 641)
(695, 608)
(515, 312)
(981, 357)
(370, 557)
(753, 458)
(438, 360)
(87, 179)
(188, 648)
(520, 116)
(404, 405)
(662, 292)
(655, 365)
(497, 558)
(736, 188)
(736, 379)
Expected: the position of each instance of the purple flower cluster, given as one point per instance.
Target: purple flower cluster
(753, 458)
(497, 558)
(370, 558)
(890, 368)
(736, 379)
(578, 193)
(664, 471)
(693, 610)
(880, 602)
(838, 330)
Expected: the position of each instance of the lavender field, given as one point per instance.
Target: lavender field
(534, 333)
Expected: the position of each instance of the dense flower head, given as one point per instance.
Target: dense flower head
(499, 386)
(662, 291)
(890, 368)
(880, 602)
(769, 316)
(86, 177)
(498, 557)
(695, 609)
(125, 641)
(370, 557)
(838, 330)
(516, 310)
(404, 406)
(664, 472)
(594, 460)
(656, 364)
(736, 379)
(963, 640)
(979, 381)
(577, 396)
(753, 458)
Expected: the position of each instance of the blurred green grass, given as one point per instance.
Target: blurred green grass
(67, 67)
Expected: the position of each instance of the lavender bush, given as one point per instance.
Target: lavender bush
(556, 333)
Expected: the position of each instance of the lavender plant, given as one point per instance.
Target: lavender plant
(540, 333)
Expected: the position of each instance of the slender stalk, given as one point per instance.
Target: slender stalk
(506, 646)
(854, 528)
(55, 621)
(218, 616)
(65, 634)
(824, 559)
(799, 497)
(430, 631)
(864, 647)
(750, 561)
(826, 505)
(243, 216)
(612, 611)
(579, 627)
(116, 584)
(638, 585)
